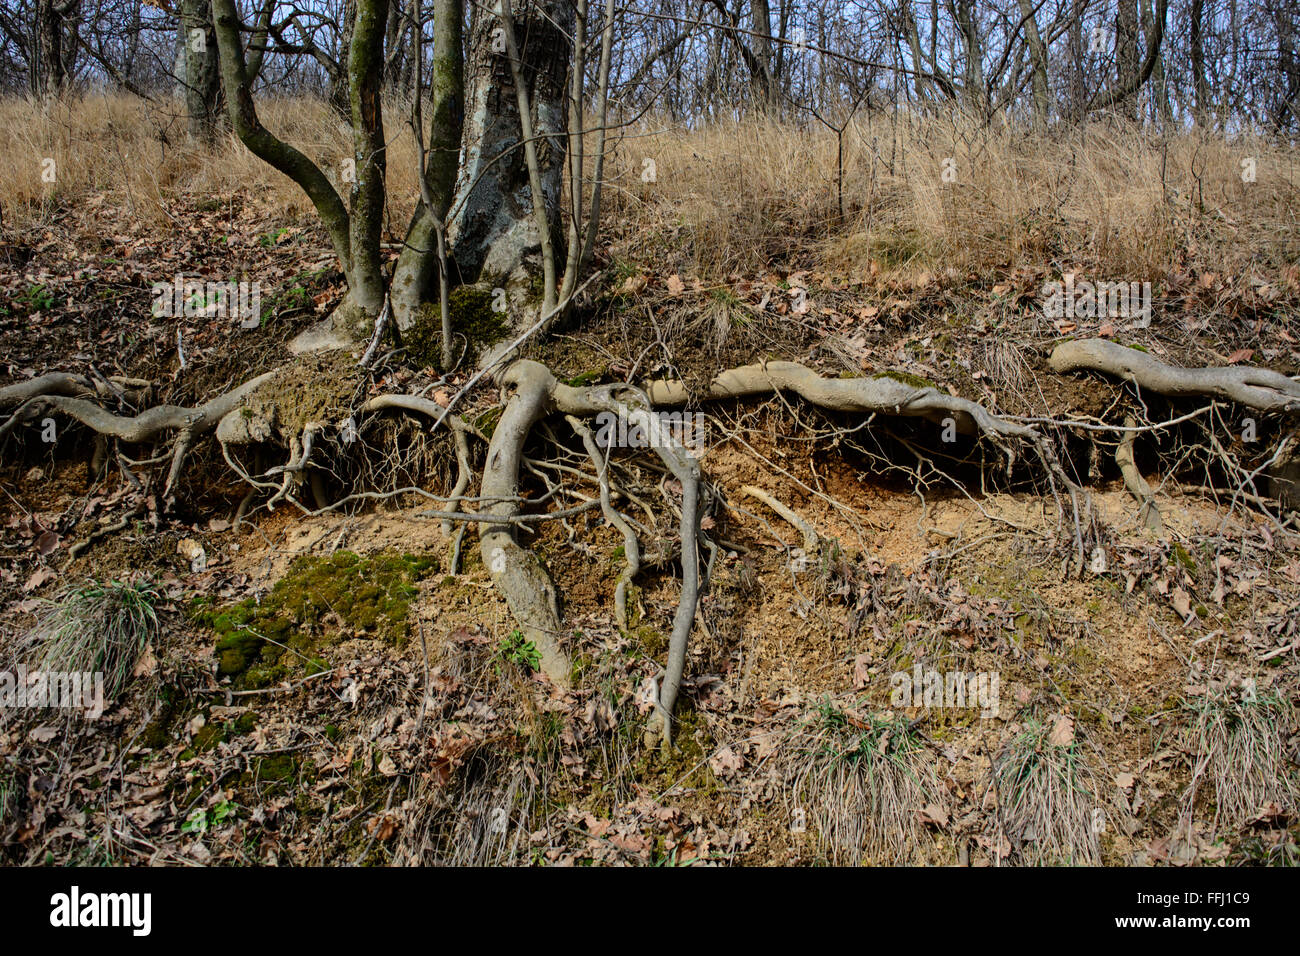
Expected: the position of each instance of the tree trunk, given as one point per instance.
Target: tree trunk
(1159, 89)
(1077, 51)
(1126, 50)
(1200, 93)
(1038, 63)
(764, 89)
(48, 77)
(413, 276)
(365, 73)
(360, 227)
(1122, 92)
(201, 76)
(964, 13)
(494, 231)
(340, 96)
(913, 36)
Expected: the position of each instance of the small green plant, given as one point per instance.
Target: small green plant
(673, 858)
(270, 239)
(516, 649)
(202, 820)
(39, 297)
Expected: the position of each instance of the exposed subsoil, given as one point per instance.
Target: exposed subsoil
(443, 747)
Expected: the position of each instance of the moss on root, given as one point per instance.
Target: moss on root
(907, 379)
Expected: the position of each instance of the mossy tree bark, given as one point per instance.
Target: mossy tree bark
(266, 145)
(365, 79)
(354, 228)
(494, 230)
(500, 209)
(414, 273)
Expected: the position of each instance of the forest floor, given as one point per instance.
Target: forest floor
(1140, 712)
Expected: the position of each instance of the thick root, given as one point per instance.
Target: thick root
(1258, 388)
(879, 394)
(153, 421)
(517, 573)
(1137, 486)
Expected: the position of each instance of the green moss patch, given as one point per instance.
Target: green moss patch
(472, 316)
(913, 380)
(310, 608)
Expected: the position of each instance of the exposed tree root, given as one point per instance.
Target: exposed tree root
(153, 421)
(531, 392)
(1148, 513)
(517, 573)
(887, 395)
(69, 386)
(1258, 388)
(631, 547)
(633, 405)
(811, 539)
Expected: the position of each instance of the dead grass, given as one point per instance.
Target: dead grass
(1048, 799)
(136, 152)
(745, 196)
(1240, 743)
(1108, 199)
(863, 783)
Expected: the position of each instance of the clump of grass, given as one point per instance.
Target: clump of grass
(863, 781)
(96, 627)
(6, 797)
(1240, 743)
(1047, 799)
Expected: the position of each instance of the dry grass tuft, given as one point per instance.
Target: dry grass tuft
(1048, 800)
(863, 782)
(1240, 746)
(99, 627)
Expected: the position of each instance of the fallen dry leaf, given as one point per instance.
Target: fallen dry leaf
(1062, 731)
(39, 577)
(934, 814)
(725, 761)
